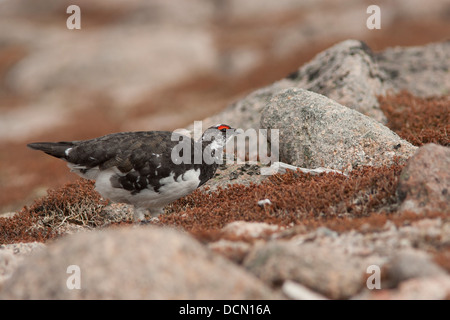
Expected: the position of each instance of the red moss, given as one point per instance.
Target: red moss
(19, 229)
(297, 199)
(76, 202)
(418, 120)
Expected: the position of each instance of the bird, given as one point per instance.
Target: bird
(148, 169)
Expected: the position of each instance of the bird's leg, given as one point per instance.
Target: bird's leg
(155, 212)
(141, 213)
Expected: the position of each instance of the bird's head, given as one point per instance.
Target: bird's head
(218, 135)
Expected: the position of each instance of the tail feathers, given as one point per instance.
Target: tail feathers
(56, 149)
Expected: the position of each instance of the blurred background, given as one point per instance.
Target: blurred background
(160, 65)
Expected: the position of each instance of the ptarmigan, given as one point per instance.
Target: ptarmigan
(149, 169)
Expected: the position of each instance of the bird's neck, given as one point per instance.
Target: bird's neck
(213, 148)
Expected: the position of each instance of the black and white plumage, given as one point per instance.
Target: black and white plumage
(142, 168)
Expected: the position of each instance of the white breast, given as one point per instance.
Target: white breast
(171, 189)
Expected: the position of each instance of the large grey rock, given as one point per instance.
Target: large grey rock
(424, 184)
(348, 74)
(315, 131)
(132, 263)
(422, 70)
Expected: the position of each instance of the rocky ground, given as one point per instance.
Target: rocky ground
(377, 227)
(285, 247)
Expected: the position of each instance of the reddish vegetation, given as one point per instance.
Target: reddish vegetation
(76, 203)
(297, 198)
(418, 120)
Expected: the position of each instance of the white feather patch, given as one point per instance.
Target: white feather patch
(67, 151)
(171, 189)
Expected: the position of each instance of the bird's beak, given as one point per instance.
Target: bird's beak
(235, 132)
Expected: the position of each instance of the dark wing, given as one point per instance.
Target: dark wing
(146, 161)
(107, 151)
(122, 150)
(142, 158)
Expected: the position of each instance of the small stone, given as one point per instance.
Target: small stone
(248, 230)
(233, 250)
(294, 290)
(263, 202)
(234, 175)
(410, 264)
(423, 181)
